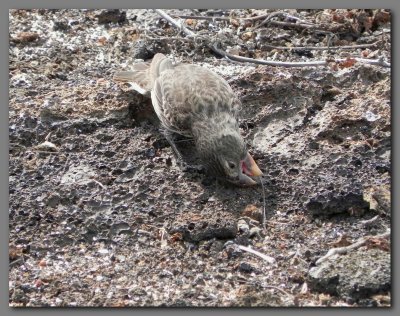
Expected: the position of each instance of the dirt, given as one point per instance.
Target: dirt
(101, 215)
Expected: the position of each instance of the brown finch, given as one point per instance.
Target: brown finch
(196, 102)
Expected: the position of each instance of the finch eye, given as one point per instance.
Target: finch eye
(231, 165)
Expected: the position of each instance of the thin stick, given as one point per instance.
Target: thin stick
(264, 211)
(359, 243)
(166, 38)
(99, 183)
(370, 221)
(87, 181)
(378, 62)
(269, 259)
(226, 18)
(47, 137)
(321, 47)
(220, 18)
(268, 19)
(296, 25)
(211, 18)
(264, 286)
(277, 288)
(179, 25)
(47, 152)
(13, 263)
(16, 144)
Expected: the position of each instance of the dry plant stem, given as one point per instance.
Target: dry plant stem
(220, 18)
(13, 263)
(268, 19)
(86, 181)
(302, 25)
(322, 47)
(166, 38)
(278, 289)
(359, 243)
(226, 18)
(269, 259)
(99, 183)
(17, 145)
(296, 25)
(277, 223)
(179, 25)
(47, 152)
(377, 62)
(264, 207)
(47, 137)
(211, 18)
(370, 221)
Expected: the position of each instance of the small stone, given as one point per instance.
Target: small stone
(243, 227)
(371, 117)
(61, 26)
(121, 258)
(211, 199)
(25, 37)
(255, 231)
(245, 267)
(253, 212)
(38, 283)
(47, 146)
(248, 35)
(111, 16)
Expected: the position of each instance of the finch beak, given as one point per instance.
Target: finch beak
(249, 169)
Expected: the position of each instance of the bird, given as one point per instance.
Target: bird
(195, 102)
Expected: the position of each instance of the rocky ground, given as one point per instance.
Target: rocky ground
(101, 215)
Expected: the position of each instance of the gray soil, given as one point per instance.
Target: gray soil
(101, 215)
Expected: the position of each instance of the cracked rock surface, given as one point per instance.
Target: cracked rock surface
(101, 215)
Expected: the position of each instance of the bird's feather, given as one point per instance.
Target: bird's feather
(195, 102)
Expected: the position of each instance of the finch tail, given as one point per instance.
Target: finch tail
(143, 75)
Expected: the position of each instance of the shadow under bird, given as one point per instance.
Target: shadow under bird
(197, 103)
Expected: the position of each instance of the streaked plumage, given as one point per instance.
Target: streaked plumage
(196, 102)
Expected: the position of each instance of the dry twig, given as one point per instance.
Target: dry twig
(370, 221)
(359, 243)
(229, 18)
(214, 47)
(269, 259)
(377, 62)
(221, 18)
(280, 13)
(47, 152)
(321, 47)
(99, 183)
(264, 206)
(296, 25)
(265, 286)
(278, 289)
